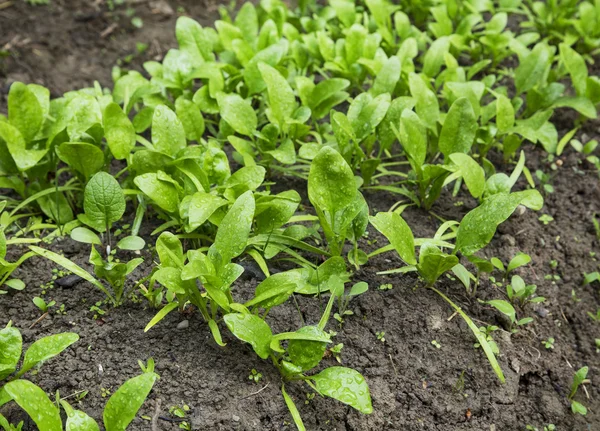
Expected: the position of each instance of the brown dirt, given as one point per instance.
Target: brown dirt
(414, 385)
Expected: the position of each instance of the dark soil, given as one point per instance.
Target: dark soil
(414, 385)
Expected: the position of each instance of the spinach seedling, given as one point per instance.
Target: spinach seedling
(578, 379)
(520, 259)
(548, 343)
(519, 291)
(42, 305)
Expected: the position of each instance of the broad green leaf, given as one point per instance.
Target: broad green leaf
(504, 307)
(190, 116)
(36, 403)
(87, 159)
(131, 242)
(282, 102)
(479, 225)
(388, 76)
(271, 55)
(238, 113)
(331, 184)
(434, 57)
(81, 114)
(124, 404)
(85, 235)
(251, 329)
(46, 348)
(413, 138)
(276, 289)
(274, 211)
(247, 21)
(532, 69)
(519, 260)
(426, 106)
(104, 201)
(307, 354)
(163, 193)
(366, 112)
(505, 113)
(78, 420)
(24, 111)
(578, 379)
(23, 157)
(385, 130)
(345, 385)
(234, 229)
(168, 134)
(192, 39)
(460, 126)
(169, 250)
(118, 131)
(202, 206)
(433, 263)
(576, 67)
(171, 279)
(161, 315)
(398, 233)
(583, 105)
(11, 344)
(471, 172)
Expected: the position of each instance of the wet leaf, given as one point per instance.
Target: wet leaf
(251, 329)
(345, 385)
(87, 159)
(104, 201)
(11, 345)
(460, 126)
(168, 134)
(118, 131)
(282, 102)
(46, 348)
(24, 111)
(304, 353)
(398, 233)
(36, 403)
(238, 113)
(124, 404)
(78, 420)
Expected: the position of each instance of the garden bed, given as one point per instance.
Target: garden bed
(415, 384)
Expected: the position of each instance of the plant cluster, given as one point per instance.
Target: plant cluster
(349, 97)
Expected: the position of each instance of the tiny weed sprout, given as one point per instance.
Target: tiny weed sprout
(548, 343)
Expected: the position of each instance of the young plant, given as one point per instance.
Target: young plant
(519, 291)
(42, 305)
(578, 379)
(520, 259)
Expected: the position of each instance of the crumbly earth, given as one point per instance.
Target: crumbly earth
(415, 385)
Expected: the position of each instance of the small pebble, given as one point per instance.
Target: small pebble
(235, 418)
(183, 324)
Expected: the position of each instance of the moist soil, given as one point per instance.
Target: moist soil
(415, 384)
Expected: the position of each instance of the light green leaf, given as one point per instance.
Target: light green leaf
(306, 353)
(163, 193)
(238, 113)
(87, 159)
(505, 113)
(282, 102)
(433, 263)
(131, 242)
(193, 40)
(202, 206)
(331, 184)
(532, 69)
(168, 134)
(345, 385)
(81, 113)
(388, 76)
(471, 172)
(78, 420)
(118, 131)
(24, 111)
(398, 233)
(23, 157)
(519, 260)
(413, 138)
(124, 404)
(504, 307)
(251, 329)
(11, 344)
(575, 65)
(46, 348)
(104, 201)
(36, 403)
(169, 250)
(288, 400)
(427, 106)
(85, 235)
(460, 126)
(191, 118)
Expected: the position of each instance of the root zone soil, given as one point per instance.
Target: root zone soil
(415, 385)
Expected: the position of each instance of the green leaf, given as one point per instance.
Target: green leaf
(251, 329)
(169, 250)
(331, 184)
(471, 172)
(161, 315)
(36, 403)
(427, 106)
(234, 229)
(388, 76)
(163, 193)
(578, 379)
(124, 404)
(398, 233)
(504, 307)
(11, 344)
(505, 113)
(291, 406)
(191, 118)
(532, 69)
(17, 147)
(104, 201)
(171, 279)
(577, 407)
(131, 242)
(87, 159)
(575, 65)
(345, 385)
(282, 102)
(413, 138)
(46, 348)
(274, 211)
(214, 330)
(519, 260)
(460, 126)
(85, 235)
(24, 111)
(193, 39)
(81, 114)
(78, 420)
(304, 353)
(477, 228)
(583, 105)
(433, 263)
(238, 113)
(118, 131)
(434, 57)
(276, 289)
(70, 266)
(202, 206)
(168, 134)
